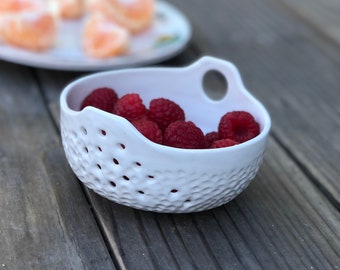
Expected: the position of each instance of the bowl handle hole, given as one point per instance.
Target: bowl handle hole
(215, 84)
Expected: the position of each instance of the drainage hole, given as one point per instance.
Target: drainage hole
(83, 130)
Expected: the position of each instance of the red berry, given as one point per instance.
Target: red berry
(164, 112)
(130, 106)
(239, 126)
(223, 143)
(182, 134)
(144, 116)
(149, 129)
(102, 98)
(210, 137)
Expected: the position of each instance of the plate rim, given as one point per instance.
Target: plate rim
(161, 54)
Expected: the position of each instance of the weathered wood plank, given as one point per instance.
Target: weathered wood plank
(46, 222)
(288, 67)
(123, 241)
(282, 220)
(321, 15)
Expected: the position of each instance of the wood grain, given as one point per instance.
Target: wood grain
(46, 222)
(281, 221)
(321, 15)
(287, 65)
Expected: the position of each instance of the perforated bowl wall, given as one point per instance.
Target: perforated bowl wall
(111, 157)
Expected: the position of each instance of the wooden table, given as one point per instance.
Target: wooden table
(288, 52)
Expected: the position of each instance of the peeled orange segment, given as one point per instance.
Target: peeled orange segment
(135, 15)
(71, 9)
(7, 6)
(33, 30)
(103, 38)
(91, 5)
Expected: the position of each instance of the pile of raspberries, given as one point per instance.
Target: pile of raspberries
(163, 122)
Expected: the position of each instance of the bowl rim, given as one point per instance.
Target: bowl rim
(65, 108)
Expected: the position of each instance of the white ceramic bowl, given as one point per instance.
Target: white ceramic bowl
(111, 157)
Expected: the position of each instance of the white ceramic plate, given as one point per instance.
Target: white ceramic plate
(168, 35)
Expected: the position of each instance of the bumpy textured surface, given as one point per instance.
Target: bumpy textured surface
(111, 157)
(108, 165)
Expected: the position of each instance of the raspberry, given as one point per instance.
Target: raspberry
(101, 98)
(239, 126)
(223, 143)
(210, 137)
(182, 134)
(164, 112)
(130, 106)
(144, 116)
(149, 129)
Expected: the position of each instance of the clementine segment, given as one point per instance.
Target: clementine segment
(134, 15)
(103, 38)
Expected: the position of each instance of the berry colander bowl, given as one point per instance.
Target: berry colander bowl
(113, 159)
